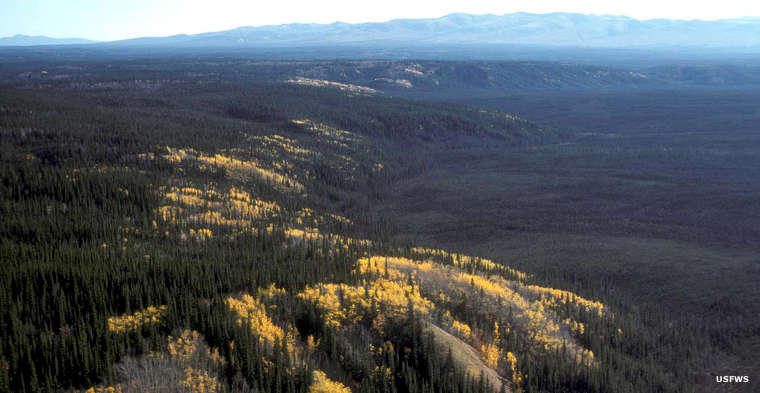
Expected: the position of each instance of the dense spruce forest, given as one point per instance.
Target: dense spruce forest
(201, 226)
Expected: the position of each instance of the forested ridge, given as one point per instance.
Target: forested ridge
(203, 236)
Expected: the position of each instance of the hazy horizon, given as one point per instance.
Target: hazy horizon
(115, 21)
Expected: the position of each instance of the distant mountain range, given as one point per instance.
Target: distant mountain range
(556, 29)
(28, 40)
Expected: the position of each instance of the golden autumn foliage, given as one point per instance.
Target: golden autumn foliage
(208, 206)
(466, 261)
(340, 218)
(237, 168)
(343, 303)
(461, 329)
(555, 296)
(575, 327)
(313, 234)
(185, 345)
(270, 291)
(393, 284)
(199, 381)
(530, 305)
(187, 364)
(308, 217)
(540, 326)
(215, 356)
(197, 210)
(490, 355)
(129, 322)
(516, 376)
(311, 344)
(283, 144)
(252, 312)
(585, 356)
(104, 389)
(322, 384)
(308, 234)
(200, 234)
(388, 287)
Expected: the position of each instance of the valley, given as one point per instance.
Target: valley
(231, 225)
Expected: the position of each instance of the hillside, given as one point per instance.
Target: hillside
(428, 79)
(27, 40)
(555, 29)
(237, 226)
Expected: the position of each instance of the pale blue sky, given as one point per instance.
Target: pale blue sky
(110, 20)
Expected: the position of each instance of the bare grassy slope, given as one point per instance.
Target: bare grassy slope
(465, 355)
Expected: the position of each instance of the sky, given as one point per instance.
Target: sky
(111, 20)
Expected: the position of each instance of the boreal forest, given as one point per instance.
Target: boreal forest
(223, 223)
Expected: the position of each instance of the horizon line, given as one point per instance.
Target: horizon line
(96, 41)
